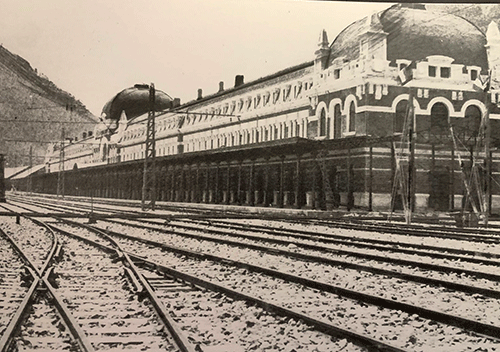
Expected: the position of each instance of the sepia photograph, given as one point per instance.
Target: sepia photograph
(249, 175)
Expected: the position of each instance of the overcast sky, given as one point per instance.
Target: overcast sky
(95, 48)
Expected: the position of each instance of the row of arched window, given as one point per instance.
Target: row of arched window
(466, 127)
(334, 128)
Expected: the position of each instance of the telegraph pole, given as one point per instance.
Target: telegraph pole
(487, 158)
(2, 178)
(149, 175)
(30, 178)
(411, 160)
(60, 175)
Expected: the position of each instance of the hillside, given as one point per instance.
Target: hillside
(34, 111)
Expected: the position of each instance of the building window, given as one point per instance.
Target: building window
(473, 75)
(472, 122)
(336, 73)
(439, 119)
(352, 117)
(432, 71)
(400, 117)
(322, 122)
(445, 72)
(337, 121)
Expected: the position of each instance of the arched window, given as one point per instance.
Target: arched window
(472, 121)
(322, 122)
(337, 118)
(439, 119)
(400, 116)
(352, 117)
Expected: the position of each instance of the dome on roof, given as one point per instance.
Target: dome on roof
(135, 102)
(414, 34)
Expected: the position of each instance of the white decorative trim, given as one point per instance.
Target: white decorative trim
(446, 102)
(473, 102)
(351, 98)
(372, 108)
(331, 113)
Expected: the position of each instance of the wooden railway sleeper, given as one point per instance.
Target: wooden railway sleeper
(183, 343)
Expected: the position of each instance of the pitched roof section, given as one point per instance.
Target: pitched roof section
(414, 34)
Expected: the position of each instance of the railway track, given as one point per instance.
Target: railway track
(491, 235)
(336, 250)
(291, 330)
(225, 229)
(317, 293)
(32, 318)
(246, 325)
(89, 292)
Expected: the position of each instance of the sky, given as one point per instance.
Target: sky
(93, 49)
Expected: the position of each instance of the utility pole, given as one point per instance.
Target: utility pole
(487, 158)
(30, 178)
(411, 160)
(2, 178)
(149, 175)
(60, 175)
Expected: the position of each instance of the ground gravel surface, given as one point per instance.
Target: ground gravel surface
(396, 238)
(44, 330)
(34, 240)
(97, 292)
(452, 277)
(216, 320)
(474, 307)
(395, 327)
(12, 288)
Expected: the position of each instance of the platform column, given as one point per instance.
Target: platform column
(370, 182)
(207, 184)
(298, 181)
(282, 182)
(189, 184)
(217, 186)
(238, 197)
(452, 178)
(228, 184)
(197, 191)
(266, 184)
(250, 184)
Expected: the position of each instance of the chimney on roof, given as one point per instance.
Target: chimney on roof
(238, 80)
(200, 94)
(221, 86)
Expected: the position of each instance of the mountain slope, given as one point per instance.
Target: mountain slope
(34, 111)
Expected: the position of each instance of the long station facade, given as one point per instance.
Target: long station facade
(323, 134)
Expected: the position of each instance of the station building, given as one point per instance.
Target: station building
(323, 134)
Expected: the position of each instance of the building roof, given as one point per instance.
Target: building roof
(26, 172)
(135, 102)
(414, 34)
